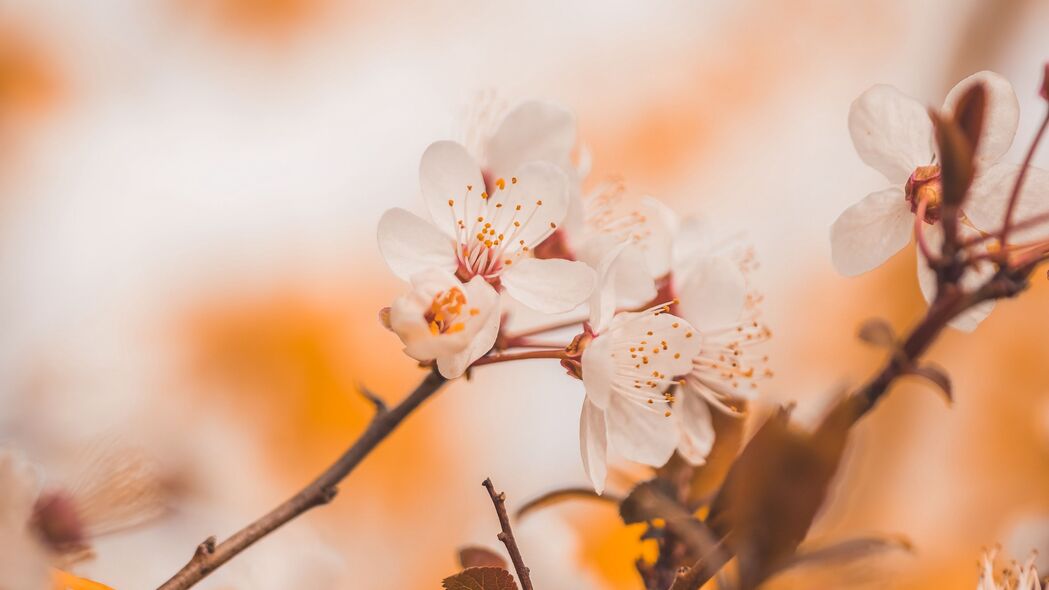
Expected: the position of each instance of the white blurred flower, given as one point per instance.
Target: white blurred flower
(477, 233)
(893, 134)
(1021, 577)
(609, 218)
(629, 366)
(444, 320)
(708, 280)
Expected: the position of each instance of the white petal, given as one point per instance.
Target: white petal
(533, 131)
(603, 299)
(634, 282)
(549, 285)
(593, 444)
(640, 432)
(533, 207)
(966, 321)
(1001, 117)
(599, 370)
(869, 232)
(451, 184)
(989, 197)
(713, 295)
(660, 227)
(410, 244)
(697, 428)
(891, 131)
(483, 329)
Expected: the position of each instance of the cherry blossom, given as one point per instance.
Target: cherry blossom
(444, 320)
(629, 365)
(893, 134)
(488, 232)
(709, 279)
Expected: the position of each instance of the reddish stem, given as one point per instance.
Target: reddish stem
(1015, 196)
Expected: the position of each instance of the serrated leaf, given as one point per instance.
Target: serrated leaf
(475, 556)
(877, 332)
(480, 578)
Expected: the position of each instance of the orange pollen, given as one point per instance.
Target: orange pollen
(444, 310)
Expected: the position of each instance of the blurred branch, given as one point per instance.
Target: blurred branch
(209, 556)
(507, 535)
(554, 496)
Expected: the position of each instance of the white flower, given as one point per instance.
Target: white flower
(1021, 577)
(629, 365)
(609, 219)
(444, 320)
(709, 279)
(533, 131)
(893, 134)
(488, 232)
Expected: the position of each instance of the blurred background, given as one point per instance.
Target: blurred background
(188, 197)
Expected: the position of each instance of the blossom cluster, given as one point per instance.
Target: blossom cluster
(671, 315)
(893, 134)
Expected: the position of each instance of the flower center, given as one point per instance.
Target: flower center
(492, 231)
(924, 185)
(444, 312)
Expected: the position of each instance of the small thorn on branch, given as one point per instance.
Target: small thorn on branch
(206, 548)
(507, 534)
(371, 396)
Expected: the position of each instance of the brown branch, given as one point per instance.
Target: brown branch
(507, 534)
(209, 556)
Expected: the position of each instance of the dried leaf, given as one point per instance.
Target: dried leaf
(480, 578)
(847, 550)
(775, 489)
(655, 499)
(878, 332)
(935, 374)
(475, 556)
(707, 478)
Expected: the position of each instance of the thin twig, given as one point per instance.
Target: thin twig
(1018, 186)
(210, 556)
(507, 534)
(558, 353)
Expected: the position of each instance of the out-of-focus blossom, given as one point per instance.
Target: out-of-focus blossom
(893, 134)
(610, 218)
(629, 365)
(1020, 577)
(445, 320)
(474, 232)
(709, 281)
(44, 529)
